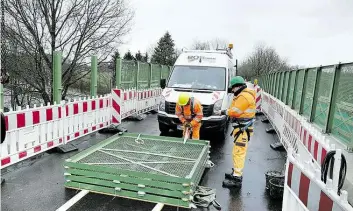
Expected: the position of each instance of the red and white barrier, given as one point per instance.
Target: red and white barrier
(36, 130)
(304, 190)
(129, 102)
(258, 97)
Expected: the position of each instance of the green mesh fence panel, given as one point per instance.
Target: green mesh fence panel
(324, 94)
(128, 74)
(309, 92)
(156, 75)
(144, 74)
(291, 87)
(299, 89)
(280, 85)
(149, 168)
(165, 72)
(343, 115)
(278, 78)
(285, 89)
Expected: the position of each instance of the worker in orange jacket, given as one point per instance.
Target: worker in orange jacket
(189, 111)
(242, 112)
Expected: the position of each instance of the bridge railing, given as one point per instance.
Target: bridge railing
(322, 95)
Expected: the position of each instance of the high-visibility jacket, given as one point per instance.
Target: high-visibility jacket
(243, 105)
(191, 112)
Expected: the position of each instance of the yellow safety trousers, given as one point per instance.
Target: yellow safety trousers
(239, 150)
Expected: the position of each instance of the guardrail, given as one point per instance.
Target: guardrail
(36, 130)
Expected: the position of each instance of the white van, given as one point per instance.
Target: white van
(205, 74)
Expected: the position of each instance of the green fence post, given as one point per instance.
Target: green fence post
(295, 89)
(57, 89)
(118, 63)
(334, 92)
(161, 72)
(137, 75)
(94, 71)
(302, 99)
(290, 75)
(1, 97)
(316, 94)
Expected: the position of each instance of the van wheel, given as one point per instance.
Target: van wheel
(223, 132)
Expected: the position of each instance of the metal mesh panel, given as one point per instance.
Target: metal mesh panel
(156, 75)
(291, 87)
(144, 74)
(165, 72)
(278, 78)
(285, 89)
(309, 92)
(151, 156)
(128, 74)
(343, 114)
(299, 89)
(324, 94)
(280, 86)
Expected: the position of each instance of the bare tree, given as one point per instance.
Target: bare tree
(78, 28)
(263, 60)
(214, 44)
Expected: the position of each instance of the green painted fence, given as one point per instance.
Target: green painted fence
(139, 75)
(322, 94)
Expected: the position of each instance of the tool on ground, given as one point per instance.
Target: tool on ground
(138, 140)
(187, 134)
(204, 197)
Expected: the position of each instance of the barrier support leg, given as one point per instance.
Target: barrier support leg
(270, 130)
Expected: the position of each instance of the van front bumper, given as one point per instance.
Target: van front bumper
(212, 123)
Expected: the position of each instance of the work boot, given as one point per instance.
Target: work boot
(233, 182)
(229, 175)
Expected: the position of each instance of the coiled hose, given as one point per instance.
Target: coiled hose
(329, 163)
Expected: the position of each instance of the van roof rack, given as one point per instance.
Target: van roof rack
(226, 51)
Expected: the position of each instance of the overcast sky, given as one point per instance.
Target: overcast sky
(306, 32)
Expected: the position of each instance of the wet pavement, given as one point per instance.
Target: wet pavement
(38, 184)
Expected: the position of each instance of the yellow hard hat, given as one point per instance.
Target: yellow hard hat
(183, 99)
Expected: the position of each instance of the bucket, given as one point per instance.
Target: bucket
(272, 174)
(276, 188)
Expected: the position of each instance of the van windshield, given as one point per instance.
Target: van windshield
(196, 77)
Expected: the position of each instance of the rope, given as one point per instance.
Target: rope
(328, 162)
(204, 197)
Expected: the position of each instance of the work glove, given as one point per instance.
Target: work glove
(187, 125)
(224, 112)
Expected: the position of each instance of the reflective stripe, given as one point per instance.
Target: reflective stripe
(199, 114)
(250, 110)
(240, 144)
(236, 110)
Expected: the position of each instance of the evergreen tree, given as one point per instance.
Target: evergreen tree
(138, 56)
(145, 58)
(164, 53)
(129, 56)
(115, 56)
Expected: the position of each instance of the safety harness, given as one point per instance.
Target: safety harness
(204, 197)
(243, 125)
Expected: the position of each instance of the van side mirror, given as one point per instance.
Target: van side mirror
(163, 83)
(229, 90)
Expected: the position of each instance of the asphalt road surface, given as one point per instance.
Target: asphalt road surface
(38, 184)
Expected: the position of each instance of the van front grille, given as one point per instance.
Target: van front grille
(170, 109)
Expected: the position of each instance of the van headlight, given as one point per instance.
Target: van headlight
(217, 107)
(161, 106)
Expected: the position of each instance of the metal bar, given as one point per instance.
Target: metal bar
(304, 87)
(148, 153)
(333, 97)
(137, 75)
(160, 171)
(73, 200)
(150, 162)
(94, 76)
(158, 207)
(148, 181)
(316, 94)
(57, 77)
(1, 97)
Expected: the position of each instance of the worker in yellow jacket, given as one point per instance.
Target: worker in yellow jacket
(242, 113)
(189, 111)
